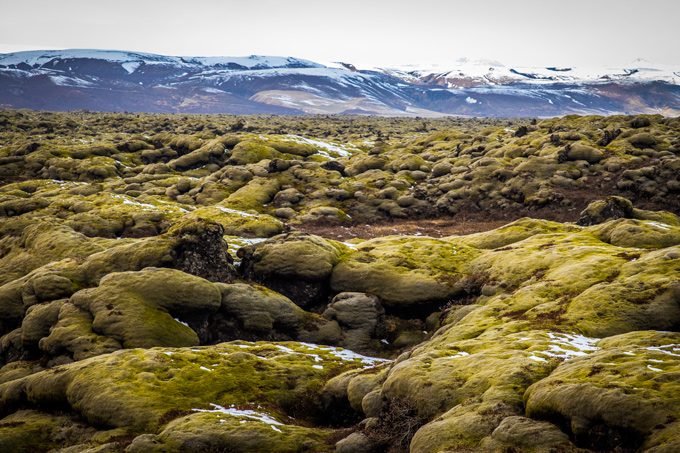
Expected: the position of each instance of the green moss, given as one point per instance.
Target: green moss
(291, 147)
(580, 151)
(213, 431)
(626, 387)
(261, 310)
(240, 223)
(297, 255)
(140, 389)
(638, 233)
(643, 296)
(100, 201)
(404, 271)
(514, 232)
(252, 152)
(257, 192)
(31, 431)
(72, 335)
(139, 308)
(42, 243)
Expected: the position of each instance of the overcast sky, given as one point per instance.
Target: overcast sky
(366, 32)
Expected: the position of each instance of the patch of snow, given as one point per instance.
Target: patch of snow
(70, 81)
(254, 61)
(127, 201)
(345, 354)
(242, 413)
(661, 226)
(536, 358)
(235, 211)
(205, 368)
(181, 322)
(340, 150)
(471, 100)
(669, 349)
(213, 90)
(285, 349)
(131, 66)
(567, 346)
(653, 369)
(251, 241)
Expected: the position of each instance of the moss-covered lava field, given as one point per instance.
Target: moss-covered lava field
(351, 284)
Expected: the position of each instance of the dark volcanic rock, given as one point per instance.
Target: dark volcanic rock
(602, 210)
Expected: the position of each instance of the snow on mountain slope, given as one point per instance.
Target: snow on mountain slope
(134, 81)
(42, 58)
(466, 73)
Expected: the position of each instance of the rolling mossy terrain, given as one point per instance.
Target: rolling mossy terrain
(213, 283)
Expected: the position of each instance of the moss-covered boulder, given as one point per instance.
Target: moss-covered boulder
(251, 152)
(145, 309)
(638, 233)
(602, 210)
(528, 435)
(257, 192)
(73, 337)
(253, 311)
(33, 431)
(405, 271)
(295, 264)
(580, 151)
(514, 232)
(241, 223)
(361, 318)
(623, 396)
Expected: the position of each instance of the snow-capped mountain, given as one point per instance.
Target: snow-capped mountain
(130, 81)
(464, 73)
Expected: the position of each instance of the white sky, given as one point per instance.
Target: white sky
(364, 32)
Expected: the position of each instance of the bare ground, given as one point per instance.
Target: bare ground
(418, 227)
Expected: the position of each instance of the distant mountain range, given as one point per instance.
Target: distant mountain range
(104, 80)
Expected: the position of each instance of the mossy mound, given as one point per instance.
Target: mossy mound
(295, 264)
(253, 310)
(216, 431)
(404, 271)
(31, 431)
(514, 232)
(141, 390)
(623, 396)
(145, 309)
(240, 223)
(296, 255)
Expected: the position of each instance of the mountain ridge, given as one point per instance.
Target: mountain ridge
(112, 80)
